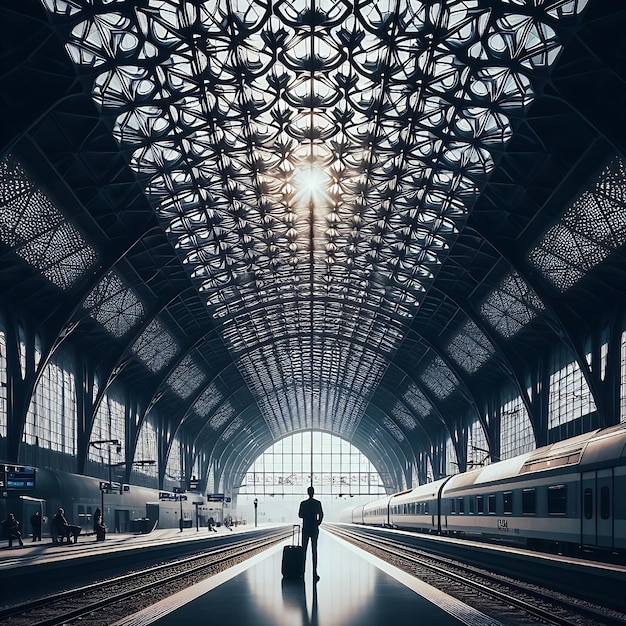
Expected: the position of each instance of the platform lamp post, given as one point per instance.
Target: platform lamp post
(178, 495)
(256, 506)
(103, 486)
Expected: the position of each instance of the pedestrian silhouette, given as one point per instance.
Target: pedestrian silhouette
(35, 524)
(312, 515)
(99, 527)
(12, 530)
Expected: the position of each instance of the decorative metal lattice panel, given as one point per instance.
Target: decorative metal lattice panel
(35, 230)
(114, 305)
(592, 228)
(470, 348)
(155, 346)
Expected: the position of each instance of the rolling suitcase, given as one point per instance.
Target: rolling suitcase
(293, 558)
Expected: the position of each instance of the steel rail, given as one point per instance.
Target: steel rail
(441, 565)
(209, 560)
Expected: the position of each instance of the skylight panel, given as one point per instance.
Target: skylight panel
(511, 306)
(208, 400)
(233, 427)
(155, 346)
(222, 104)
(114, 305)
(393, 429)
(439, 378)
(36, 230)
(417, 401)
(186, 377)
(589, 230)
(402, 416)
(470, 348)
(223, 415)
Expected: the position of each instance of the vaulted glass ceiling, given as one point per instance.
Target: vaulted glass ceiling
(313, 162)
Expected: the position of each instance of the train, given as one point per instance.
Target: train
(567, 497)
(127, 508)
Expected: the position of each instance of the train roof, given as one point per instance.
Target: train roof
(384, 501)
(423, 491)
(588, 449)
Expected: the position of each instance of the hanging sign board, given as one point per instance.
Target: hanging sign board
(17, 477)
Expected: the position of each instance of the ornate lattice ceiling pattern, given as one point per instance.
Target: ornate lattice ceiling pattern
(313, 162)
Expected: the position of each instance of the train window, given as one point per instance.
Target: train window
(491, 503)
(452, 505)
(480, 505)
(425, 508)
(557, 499)
(471, 505)
(588, 503)
(529, 501)
(461, 503)
(605, 503)
(508, 501)
(84, 517)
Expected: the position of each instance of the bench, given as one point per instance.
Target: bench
(69, 532)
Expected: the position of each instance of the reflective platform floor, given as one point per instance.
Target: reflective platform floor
(355, 589)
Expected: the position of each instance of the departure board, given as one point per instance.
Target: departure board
(17, 476)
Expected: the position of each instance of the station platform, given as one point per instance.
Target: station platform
(355, 589)
(43, 552)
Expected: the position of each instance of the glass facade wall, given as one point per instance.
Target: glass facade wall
(332, 465)
(516, 431)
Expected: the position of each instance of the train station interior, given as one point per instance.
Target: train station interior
(253, 246)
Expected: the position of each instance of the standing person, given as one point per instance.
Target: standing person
(99, 527)
(12, 527)
(35, 524)
(312, 515)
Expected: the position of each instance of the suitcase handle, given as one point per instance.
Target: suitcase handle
(293, 535)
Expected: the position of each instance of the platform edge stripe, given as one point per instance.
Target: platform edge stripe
(458, 609)
(160, 609)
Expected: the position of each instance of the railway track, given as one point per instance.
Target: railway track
(107, 601)
(502, 597)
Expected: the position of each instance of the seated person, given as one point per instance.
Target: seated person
(60, 528)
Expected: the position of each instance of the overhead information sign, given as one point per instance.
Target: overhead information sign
(17, 476)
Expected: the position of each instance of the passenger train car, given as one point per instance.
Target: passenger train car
(568, 496)
(80, 495)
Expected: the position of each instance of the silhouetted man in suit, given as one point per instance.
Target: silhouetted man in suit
(312, 515)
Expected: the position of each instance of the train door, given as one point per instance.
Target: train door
(122, 521)
(597, 508)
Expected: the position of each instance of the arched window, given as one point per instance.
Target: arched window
(336, 466)
(342, 477)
